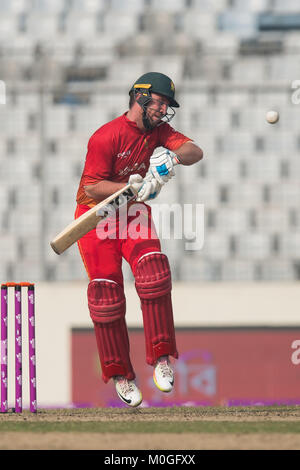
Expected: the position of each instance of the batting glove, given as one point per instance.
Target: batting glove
(144, 188)
(162, 166)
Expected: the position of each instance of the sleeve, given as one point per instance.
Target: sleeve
(170, 138)
(99, 159)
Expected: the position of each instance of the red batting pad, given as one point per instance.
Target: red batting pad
(107, 307)
(153, 285)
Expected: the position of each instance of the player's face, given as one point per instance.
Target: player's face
(157, 108)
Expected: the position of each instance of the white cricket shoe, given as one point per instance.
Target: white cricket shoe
(163, 374)
(128, 391)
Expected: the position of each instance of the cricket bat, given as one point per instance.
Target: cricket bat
(89, 220)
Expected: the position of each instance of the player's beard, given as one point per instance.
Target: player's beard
(148, 120)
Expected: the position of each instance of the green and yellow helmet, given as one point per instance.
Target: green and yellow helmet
(157, 83)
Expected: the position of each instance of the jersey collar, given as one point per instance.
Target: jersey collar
(134, 125)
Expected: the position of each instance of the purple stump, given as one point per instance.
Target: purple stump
(4, 378)
(18, 349)
(32, 356)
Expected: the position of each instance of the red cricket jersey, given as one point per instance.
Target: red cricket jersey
(119, 149)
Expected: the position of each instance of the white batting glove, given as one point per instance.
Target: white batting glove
(162, 166)
(144, 188)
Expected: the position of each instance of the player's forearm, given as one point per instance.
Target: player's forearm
(189, 153)
(103, 189)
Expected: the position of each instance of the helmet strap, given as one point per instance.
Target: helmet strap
(147, 124)
(143, 101)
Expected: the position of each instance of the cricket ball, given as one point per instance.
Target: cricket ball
(272, 117)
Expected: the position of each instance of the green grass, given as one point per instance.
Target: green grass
(171, 411)
(153, 427)
(172, 420)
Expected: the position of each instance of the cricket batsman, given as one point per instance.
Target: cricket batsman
(121, 152)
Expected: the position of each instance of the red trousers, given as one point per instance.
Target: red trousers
(102, 257)
(102, 251)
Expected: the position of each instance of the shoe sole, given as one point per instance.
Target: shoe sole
(162, 389)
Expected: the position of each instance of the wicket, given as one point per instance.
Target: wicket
(18, 346)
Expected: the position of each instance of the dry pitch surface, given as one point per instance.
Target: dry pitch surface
(185, 428)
